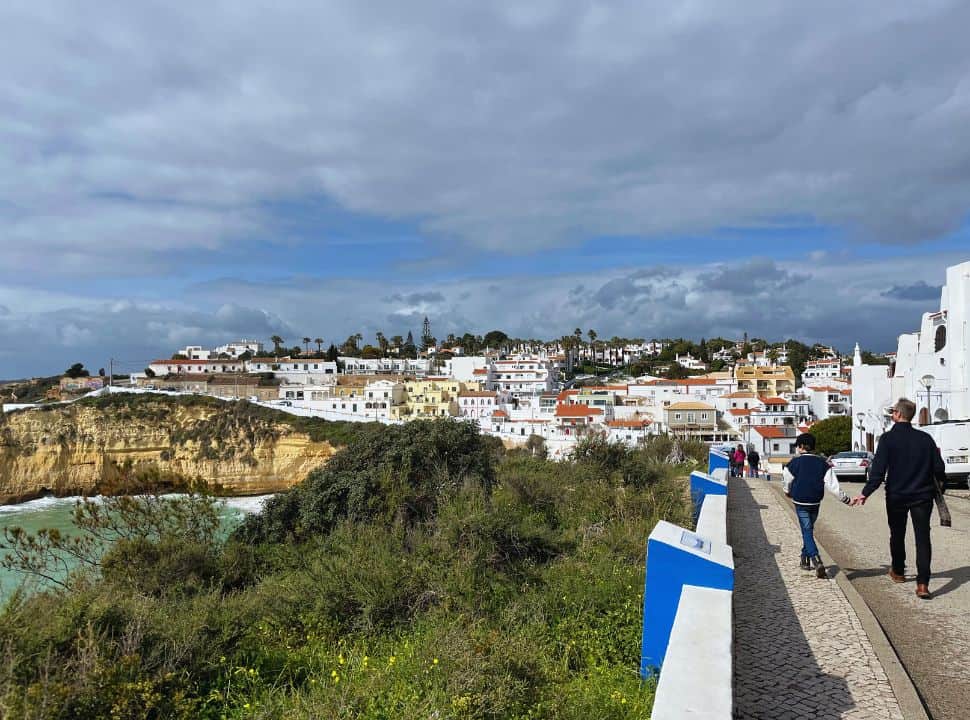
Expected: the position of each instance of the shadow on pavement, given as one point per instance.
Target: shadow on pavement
(957, 577)
(775, 672)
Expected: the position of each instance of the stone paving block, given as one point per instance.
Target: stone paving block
(800, 649)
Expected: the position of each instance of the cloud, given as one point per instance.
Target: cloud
(416, 298)
(4, 310)
(918, 291)
(758, 275)
(630, 302)
(158, 141)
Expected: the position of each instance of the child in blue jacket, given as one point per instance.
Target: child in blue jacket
(805, 479)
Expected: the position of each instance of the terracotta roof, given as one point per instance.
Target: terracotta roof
(628, 423)
(589, 388)
(769, 431)
(577, 411)
(682, 381)
(847, 391)
(500, 413)
(774, 401)
(740, 411)
(741, 394)
(566, 394)
(480, 371)
(476, 393)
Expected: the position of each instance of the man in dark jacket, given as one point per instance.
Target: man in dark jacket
(909, 462)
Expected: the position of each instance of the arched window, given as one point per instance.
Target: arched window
(940, 340)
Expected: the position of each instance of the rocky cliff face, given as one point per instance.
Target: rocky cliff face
(85, 448)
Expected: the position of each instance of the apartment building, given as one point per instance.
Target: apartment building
(772, 380)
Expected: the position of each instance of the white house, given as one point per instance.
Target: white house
(477, 404)
(822, 372)
(523, 377)
(175, 367)
(463, 368)
(386, 366)
(932, 366)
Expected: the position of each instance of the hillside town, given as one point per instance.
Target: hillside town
(534, 393)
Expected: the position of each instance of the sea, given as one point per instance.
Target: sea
(51, 512)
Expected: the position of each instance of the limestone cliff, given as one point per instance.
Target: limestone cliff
(84, 447)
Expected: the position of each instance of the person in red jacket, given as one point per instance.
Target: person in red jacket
(909, 462)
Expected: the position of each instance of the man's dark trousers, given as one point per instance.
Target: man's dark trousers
(898, 513)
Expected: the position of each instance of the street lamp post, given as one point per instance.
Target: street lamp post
(927, 382)
(860, 417)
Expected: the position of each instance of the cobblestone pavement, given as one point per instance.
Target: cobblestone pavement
(800, 650)
(932, 638)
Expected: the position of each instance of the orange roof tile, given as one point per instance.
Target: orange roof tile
(577, 411)
(740, 411)
(628, 423)
(768, 431)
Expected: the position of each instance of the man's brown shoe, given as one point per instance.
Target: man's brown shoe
(896, 577)
(923, 591)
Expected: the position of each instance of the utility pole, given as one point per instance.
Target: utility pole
(111, 369)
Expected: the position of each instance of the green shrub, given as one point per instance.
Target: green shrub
(396, 473)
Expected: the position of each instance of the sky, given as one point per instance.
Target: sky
(174, 174)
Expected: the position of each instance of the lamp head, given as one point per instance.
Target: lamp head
(927, 381)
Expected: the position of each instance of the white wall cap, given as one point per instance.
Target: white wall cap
(696, 678)
(690, 542)
(721, 474)
(712, 522)
(715, 477)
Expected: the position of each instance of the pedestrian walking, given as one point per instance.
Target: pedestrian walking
(754, 460)
(805, 479)
(909, 463)
(739, 458)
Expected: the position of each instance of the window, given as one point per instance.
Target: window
(676, 416)
(939, 342)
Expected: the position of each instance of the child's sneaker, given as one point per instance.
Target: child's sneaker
(819, 568)
(805, 564)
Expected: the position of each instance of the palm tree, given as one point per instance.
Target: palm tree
(319, 342)
(306, 345)
(277, 341)
(382, 343)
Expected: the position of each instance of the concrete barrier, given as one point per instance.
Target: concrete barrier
(696, 681)
(676, 557)
(702, 485)
(717, 459)
(712, 521)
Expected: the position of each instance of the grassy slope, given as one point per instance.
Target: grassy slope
(523, 605)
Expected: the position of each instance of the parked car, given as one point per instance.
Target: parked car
(851, 464)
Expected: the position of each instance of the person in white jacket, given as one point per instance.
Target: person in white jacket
(805, 479)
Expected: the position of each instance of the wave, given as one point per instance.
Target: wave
(246, 505)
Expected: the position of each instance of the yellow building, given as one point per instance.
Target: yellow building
(432, 397)
(771, 380)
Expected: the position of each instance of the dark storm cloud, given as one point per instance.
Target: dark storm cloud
(753, 276)
(505, 126)
(918, 291)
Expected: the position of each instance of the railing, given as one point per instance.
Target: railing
(687, 600)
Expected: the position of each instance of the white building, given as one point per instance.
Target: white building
(293, 371)
(238, 347)
(477, 405)
(932, 366)
(463, 368)
(822, 372)
(690, 362)
(521, 378)
(175, 367)
(386, 366)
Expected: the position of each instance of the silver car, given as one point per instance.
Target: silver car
(851, 464)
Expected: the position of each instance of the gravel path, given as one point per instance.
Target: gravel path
(800, 649)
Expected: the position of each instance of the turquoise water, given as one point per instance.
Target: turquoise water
(56, 513)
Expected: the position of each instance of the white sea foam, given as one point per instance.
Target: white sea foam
(247, 505)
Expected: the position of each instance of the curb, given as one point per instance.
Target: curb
(899, 680)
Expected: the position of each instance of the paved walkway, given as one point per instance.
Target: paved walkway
(800, 648)
(931, 638)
